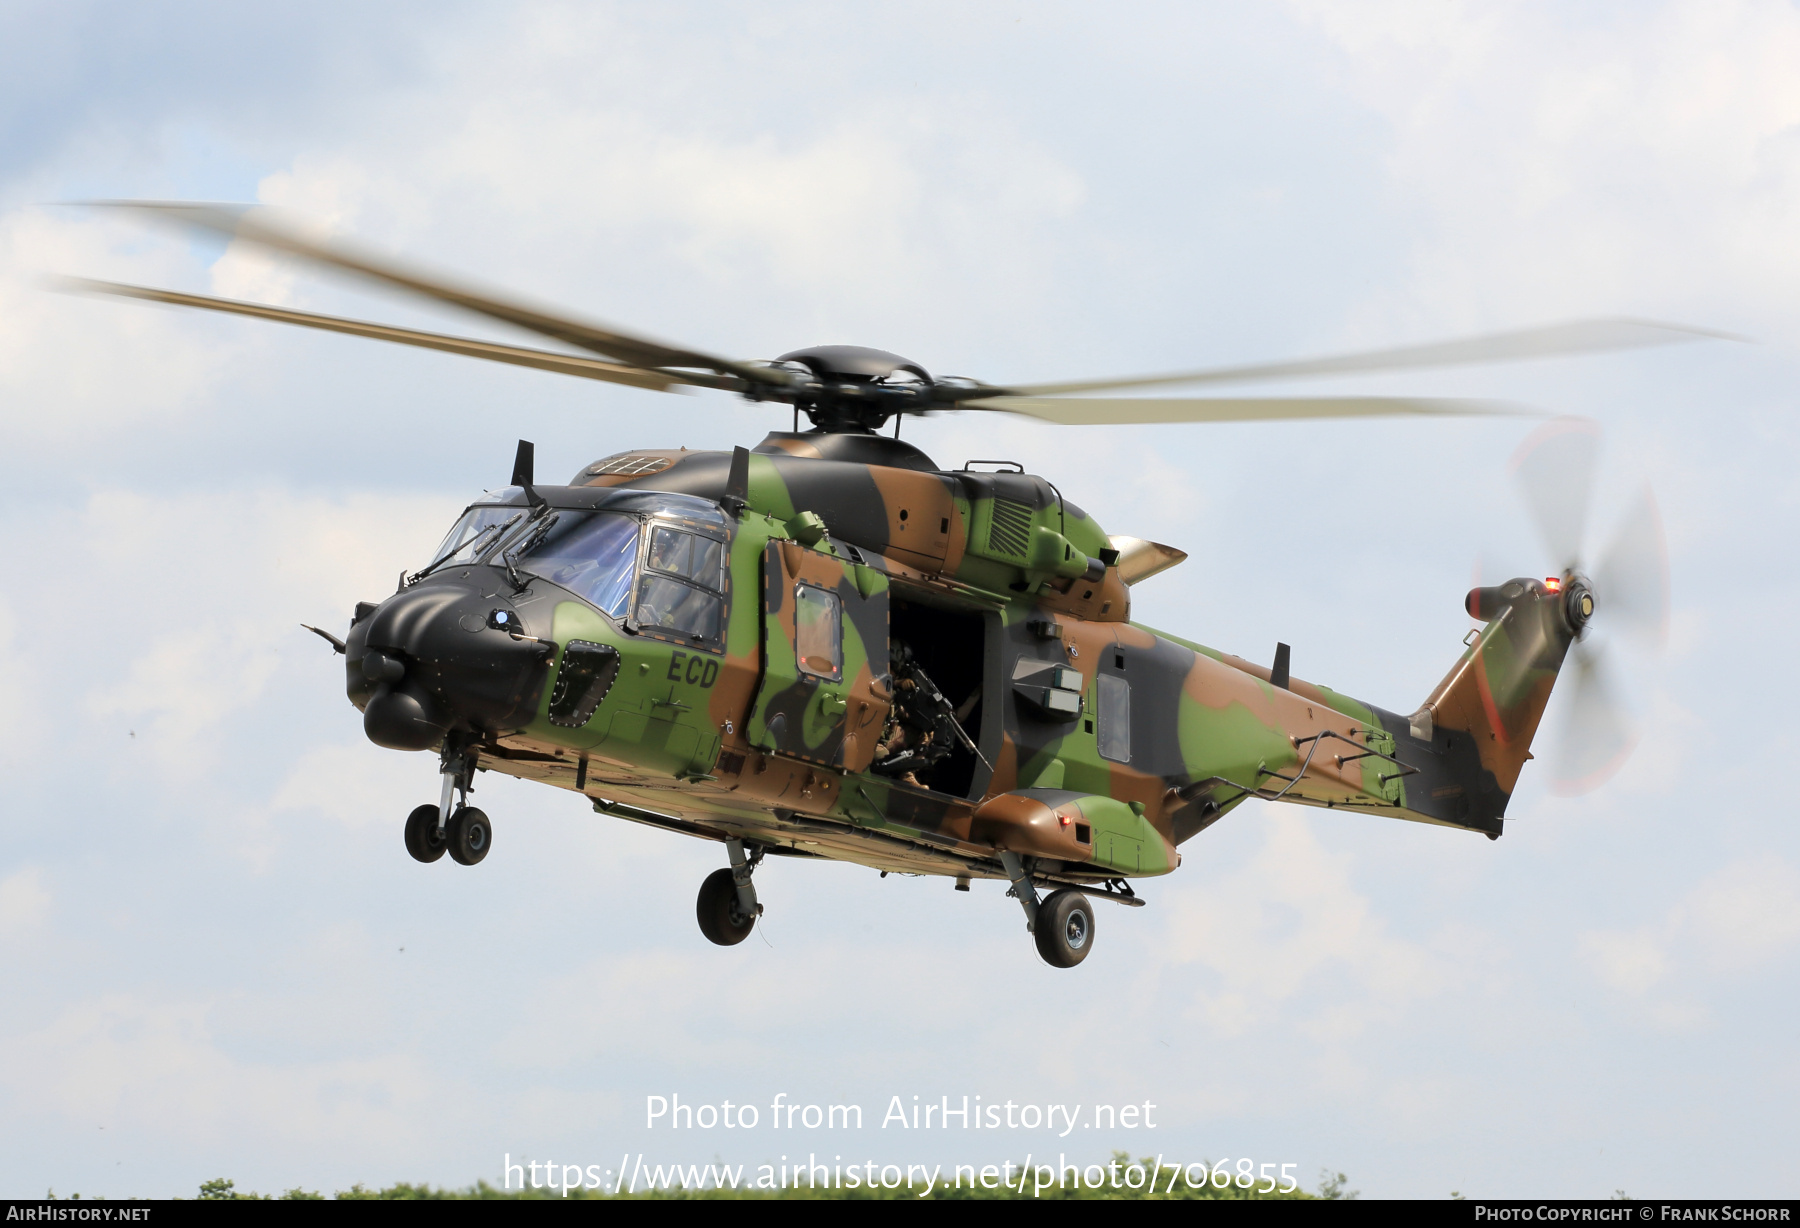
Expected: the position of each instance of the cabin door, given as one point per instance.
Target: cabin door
(824, 694)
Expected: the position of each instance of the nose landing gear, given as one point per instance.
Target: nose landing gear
(727, 908)
(461, 830)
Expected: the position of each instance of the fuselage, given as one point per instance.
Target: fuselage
(871, 660)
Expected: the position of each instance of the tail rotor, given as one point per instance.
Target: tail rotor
(1625, 591)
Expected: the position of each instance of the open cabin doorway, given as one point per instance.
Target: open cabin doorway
(935, 647)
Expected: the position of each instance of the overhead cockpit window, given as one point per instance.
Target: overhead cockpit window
(592, 554)
(629, 464)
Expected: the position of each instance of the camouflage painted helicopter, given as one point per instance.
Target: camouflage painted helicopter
(830, 646)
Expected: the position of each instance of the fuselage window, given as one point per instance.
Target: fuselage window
(1114, 734)
(818, 632)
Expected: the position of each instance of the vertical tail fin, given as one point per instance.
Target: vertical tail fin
(1497, 692)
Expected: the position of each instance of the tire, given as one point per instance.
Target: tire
(722, 919)
(1065, 929)
(422, 839)
(471, 836)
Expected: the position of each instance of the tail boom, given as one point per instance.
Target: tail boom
(1456, 760)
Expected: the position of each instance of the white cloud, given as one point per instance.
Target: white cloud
(1745, 914)
(358, 785)
(1641, 159)
(1736, 920)
(1631, 961)
(24, 903)
(588, 179)
(71, 365)
(126, 1061)
(211, 635)
(1287, 920)
(20, 680)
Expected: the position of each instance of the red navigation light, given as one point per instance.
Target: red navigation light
(1066, 820)
(1553, 583)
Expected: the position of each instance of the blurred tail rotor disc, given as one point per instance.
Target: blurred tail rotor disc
(1630, 598)
(1555, 471)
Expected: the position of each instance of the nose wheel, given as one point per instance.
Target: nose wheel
(470, 836)
(460, 830)
(466, 837)
(727, 908)
(424, 840)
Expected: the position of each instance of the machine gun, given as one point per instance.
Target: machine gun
(923, 727)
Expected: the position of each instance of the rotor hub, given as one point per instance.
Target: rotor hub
(1578, 601)
(855, 389)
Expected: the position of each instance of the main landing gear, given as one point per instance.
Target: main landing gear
(463, 831)
(727, 907)
(1062, 924)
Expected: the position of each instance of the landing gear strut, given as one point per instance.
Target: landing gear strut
(1062, 925)
(727, 907)
(460, 829)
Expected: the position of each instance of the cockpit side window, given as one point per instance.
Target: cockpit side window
(680, 593)
(700, 559)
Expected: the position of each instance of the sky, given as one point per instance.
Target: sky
(219, 960)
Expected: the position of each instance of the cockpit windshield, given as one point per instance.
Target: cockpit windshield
(659, 567)
(479, 529)
(592, 554)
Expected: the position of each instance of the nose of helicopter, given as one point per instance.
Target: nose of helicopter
(444, 656)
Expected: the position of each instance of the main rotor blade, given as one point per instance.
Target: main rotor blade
(1555, 470)
(520, 356)
(262, 227)
(1096, 411)
(1598, 736)
(1579, 337)
(1631, 579)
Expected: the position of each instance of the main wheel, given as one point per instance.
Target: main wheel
(422, 839)
(722, 918)
(471, 835)
(1065, 929)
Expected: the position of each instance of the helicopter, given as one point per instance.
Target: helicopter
(827, 646)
